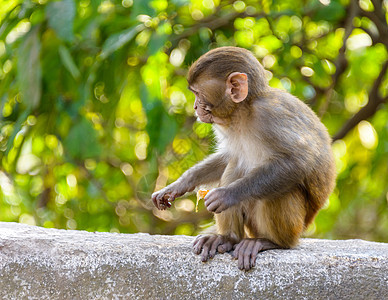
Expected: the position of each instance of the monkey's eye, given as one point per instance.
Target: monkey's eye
(208, 108)
(205, 104)
(193, 91)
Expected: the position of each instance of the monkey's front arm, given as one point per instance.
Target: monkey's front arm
(271, 180)
(205, 172)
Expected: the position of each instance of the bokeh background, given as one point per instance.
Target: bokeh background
(95, 113)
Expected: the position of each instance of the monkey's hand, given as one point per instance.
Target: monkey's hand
(219, 199)
(163, 198)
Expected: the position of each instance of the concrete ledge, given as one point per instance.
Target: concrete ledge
(38, 263)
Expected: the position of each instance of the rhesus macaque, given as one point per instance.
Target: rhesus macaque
(274, 168)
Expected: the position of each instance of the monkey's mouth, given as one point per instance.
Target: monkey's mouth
(204, 116)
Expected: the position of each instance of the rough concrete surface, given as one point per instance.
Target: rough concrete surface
(38, 263)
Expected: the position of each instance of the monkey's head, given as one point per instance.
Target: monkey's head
(224, 80)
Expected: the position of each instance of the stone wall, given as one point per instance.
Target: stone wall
(38, 263)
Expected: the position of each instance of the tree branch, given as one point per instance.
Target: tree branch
(212, 22)
(375, 100)
(341, 63)
(378, 18)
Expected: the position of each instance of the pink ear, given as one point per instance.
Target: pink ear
(237, 86)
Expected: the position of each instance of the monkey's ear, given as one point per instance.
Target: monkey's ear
(237, 86)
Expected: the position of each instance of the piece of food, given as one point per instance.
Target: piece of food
(200, 195)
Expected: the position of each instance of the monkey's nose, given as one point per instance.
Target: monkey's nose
(196, 103)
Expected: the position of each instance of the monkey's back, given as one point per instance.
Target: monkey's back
(293, 125)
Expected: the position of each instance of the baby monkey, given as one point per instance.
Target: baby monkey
(273, 168)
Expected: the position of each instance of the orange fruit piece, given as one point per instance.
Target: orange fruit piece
(200, 195)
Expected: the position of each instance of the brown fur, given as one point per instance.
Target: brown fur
(268, 113)
(274, 155)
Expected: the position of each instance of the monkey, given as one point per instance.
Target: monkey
(273, 168)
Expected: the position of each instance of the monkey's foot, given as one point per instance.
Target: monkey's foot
(208, 245)
(246, 251)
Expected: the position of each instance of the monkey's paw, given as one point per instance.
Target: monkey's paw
(208, 245)
(246, 251)
(162, 199)
(219, 199)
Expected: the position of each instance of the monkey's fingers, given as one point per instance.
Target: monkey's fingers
(163, 200)
(156, 199)
(256, 249)
(196, 241)
(212, 207)
(164, 205)
(244, 260)
(212, 203)
(220, 208)
(199, 243)
(237, 249)
(225, 247)
(214, 246)
(173, 196)
(205, 254)
(240, 252)
(153, 197)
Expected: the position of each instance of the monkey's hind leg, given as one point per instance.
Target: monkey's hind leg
(271, 224)
(230, 230)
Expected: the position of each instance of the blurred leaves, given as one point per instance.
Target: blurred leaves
(118, 40)
(162, 131)
(95, 113)
(60, 15)
(82, 142)
(332, 12)
(30, 81)
(68, 62)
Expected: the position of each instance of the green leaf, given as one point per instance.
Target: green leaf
(82, 141)
(29, 69)
(68, 62)
(60, 16)
(118, 40)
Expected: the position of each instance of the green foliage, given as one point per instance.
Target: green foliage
(95, 113)
(60, 17)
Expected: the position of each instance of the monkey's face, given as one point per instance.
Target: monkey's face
(216, 100)
(203, 107)
(209, 94)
